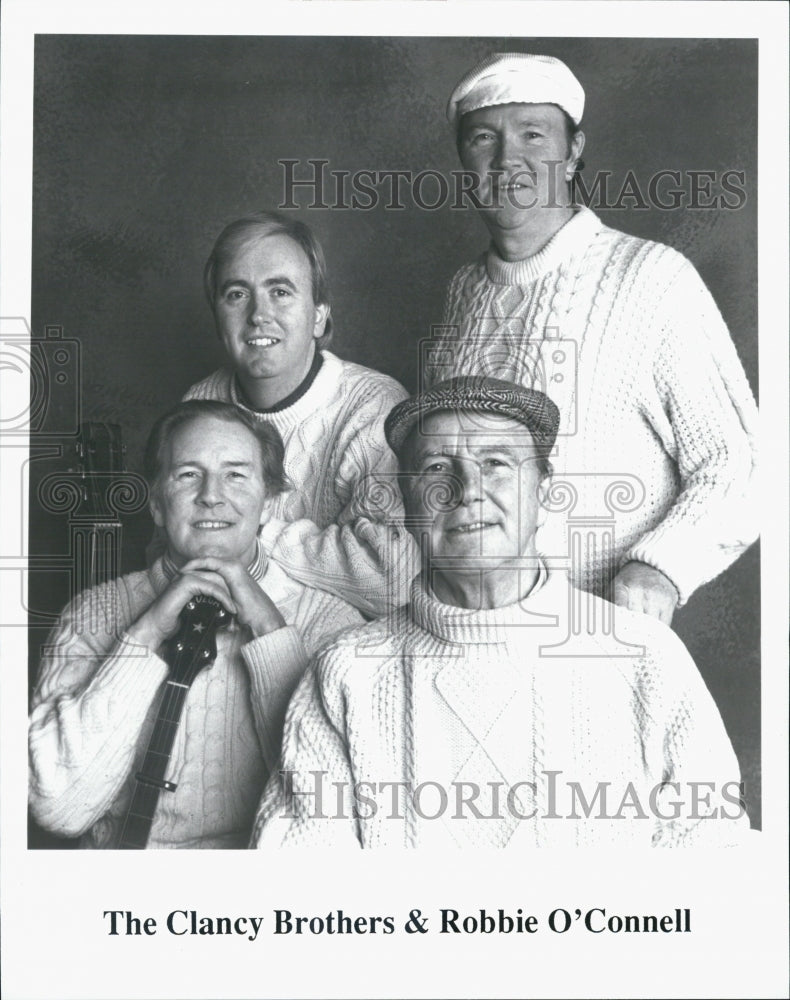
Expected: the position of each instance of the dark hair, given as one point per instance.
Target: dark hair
(269, 440)
(571, 128)
(272, 224)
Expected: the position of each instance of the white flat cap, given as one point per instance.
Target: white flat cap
(517, 78)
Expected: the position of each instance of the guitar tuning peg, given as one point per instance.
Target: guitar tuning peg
(191, 605)
(206, 653)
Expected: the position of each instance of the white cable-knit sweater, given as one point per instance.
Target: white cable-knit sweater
(624, 336)
(446, 701)
(339, 527)
(96, 699)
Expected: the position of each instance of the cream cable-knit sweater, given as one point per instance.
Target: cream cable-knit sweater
(331, 530)
(450, 699)
(96, 700)
(626, 339)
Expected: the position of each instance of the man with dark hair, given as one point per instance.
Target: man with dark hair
(213, 474)
(497, 709)
(266, 283)
(620, 331)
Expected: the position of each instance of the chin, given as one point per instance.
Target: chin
(472, 564)
(509, 218)
(258, 370)
(215, 550)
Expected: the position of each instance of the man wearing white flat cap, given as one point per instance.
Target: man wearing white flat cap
(655, 393)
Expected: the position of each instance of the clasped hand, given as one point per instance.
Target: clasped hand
(227, 581)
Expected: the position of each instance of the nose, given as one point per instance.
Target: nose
(471, 482)
(261, 310)
(508, 152)
(210, 492)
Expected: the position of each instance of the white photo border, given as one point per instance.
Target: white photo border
(55, 940)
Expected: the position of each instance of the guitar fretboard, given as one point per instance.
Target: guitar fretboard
(150, 779)
(191, 650)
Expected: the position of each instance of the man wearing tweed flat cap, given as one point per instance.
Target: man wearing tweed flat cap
(476, 394)
(449, 722)
(620, 331)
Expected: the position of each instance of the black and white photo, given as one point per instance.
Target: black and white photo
(383, 468)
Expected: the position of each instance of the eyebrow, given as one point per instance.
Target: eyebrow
(517, 453)
(230, 464)
(499, 449)
(420, 454)
(538, 120)
(278, 279)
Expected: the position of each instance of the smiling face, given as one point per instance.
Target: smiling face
(210, 494)
(266, 316)
(475, 485)
(523, 156)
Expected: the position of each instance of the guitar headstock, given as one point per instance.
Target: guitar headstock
(99, 453)
(194, 646)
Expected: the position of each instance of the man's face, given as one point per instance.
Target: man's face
(522, 156)
(211, 492)
(265, 312)
(475, 484)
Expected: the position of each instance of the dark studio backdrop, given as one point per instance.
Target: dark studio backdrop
(145, 147)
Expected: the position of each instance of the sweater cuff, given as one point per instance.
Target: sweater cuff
(277, 659)
(270, 532)
(133, 672)
(680, 556)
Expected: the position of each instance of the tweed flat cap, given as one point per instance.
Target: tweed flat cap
(517, 78)
(478, 394)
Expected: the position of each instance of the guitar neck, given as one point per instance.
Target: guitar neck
(191, 650)
(150, 779)
(96, 533)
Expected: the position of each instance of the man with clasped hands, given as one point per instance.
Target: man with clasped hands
(213, 473)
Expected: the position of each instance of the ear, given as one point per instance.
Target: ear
(406, 487)
(266, 509)
(577, 147)
(321, 316)
(543, 495)
(155, 507)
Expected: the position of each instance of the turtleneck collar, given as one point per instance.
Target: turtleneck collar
(303, 402)
(568, 242)
(293, 397)
(459, 625)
